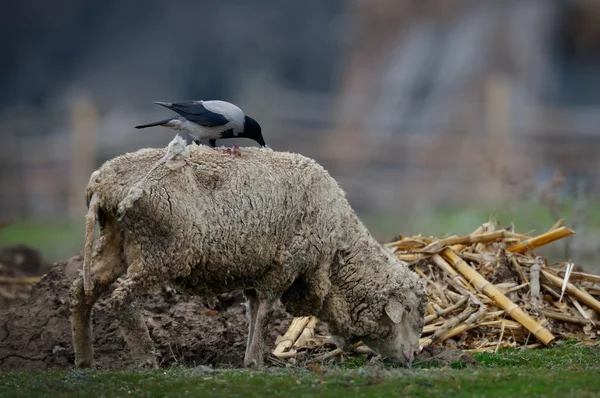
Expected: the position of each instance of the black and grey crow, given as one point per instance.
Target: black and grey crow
(210, 120)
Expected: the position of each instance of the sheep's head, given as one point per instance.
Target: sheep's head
(403, 316)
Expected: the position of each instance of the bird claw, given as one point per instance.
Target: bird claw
(235, 151)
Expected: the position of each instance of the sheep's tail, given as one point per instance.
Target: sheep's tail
(90, 223)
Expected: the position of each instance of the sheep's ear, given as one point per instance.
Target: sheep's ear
(394, 310)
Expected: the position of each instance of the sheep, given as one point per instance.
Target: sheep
(274, 225)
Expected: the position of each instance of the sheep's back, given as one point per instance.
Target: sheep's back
(261, 208)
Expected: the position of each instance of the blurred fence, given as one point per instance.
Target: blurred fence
(435, 102)
(44, 174)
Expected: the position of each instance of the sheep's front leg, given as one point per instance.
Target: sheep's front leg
(260, 311)
(107, 267)
(252, 302)
(126, 305)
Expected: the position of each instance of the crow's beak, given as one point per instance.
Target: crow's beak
(165, 104)
(159, 123)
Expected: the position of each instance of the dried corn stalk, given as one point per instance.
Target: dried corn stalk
(477, 283)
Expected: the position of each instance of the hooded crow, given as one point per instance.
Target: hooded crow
(210, 120)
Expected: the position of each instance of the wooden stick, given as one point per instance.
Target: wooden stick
(421, 274)
(494, 314)
(508, 324)
(571, 319)
(439, 261)
(288, 354)
(478, 257)
(429, 308)
(551, 290)
(541, 240)
(504, 302)
(580, 309)
(501, 337)
(363, 349)
(517, 236)
(287, 340)
(557, 224)
(307, 333)
(470, 323)
(514, 289)
(407, 244)
(479, 230)
(457, 330)
(582, 296)
(326, 356)
(409, 257)
(438, 245)
(428, 329)
(449, 324)
(534, 276)
(593, 291)
(31, 280)
(582, 276)
(334, 353)
(518, 268)
(482, 344)
(505, 286)
(445, 311)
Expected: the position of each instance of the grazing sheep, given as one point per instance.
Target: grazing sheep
(273, 224)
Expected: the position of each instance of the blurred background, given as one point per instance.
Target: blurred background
(434, 116)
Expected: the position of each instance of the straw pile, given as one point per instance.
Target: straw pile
(486, 291)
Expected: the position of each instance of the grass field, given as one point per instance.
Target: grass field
(563, 371)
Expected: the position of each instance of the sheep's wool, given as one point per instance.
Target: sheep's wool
(275, 222)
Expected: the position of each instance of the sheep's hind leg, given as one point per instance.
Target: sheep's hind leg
(260, 309)
(126, 305)
(107, 267)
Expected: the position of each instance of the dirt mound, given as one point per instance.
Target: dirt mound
(37, 335)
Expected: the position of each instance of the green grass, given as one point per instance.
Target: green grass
(564, 371)
(55, 239)
(528, 216)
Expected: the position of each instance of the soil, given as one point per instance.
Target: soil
(36, 334)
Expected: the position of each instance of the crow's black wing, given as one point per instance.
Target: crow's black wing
(195, 112)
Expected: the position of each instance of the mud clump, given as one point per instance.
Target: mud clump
(36, 334)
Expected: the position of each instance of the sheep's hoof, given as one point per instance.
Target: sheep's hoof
(85, 364)
(253, 363)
